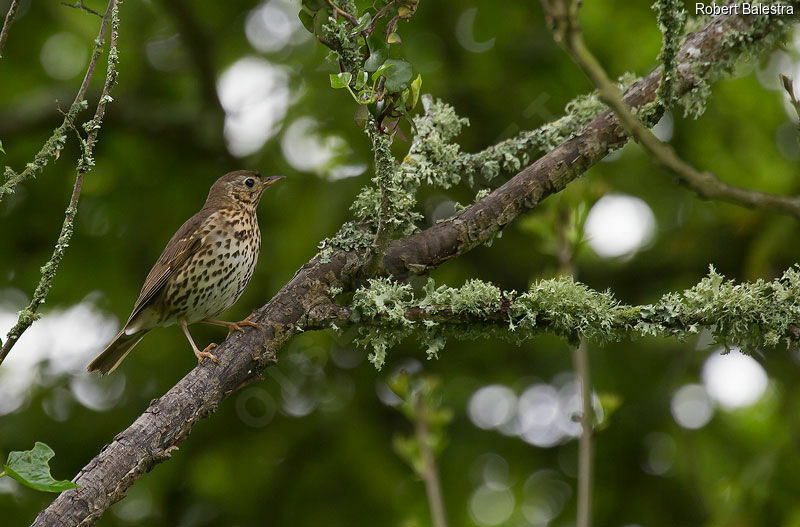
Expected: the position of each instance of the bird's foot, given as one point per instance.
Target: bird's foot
(233, 326)
(205, 354)
(237, 326)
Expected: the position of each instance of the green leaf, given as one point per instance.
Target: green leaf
(361, 79)
(380, 71)
(1, 147)
(31, 468)
(307, 19)
(341, 80)
(398, 76)
(313, 14)
(394, 38)
(378, 53)
(416, 88)
(363, 22)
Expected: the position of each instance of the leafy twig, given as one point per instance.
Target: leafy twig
(28, 315)
(12, 12)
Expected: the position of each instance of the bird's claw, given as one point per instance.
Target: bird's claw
(237, 326)
(205, 354)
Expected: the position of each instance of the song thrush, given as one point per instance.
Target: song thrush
(202, 271)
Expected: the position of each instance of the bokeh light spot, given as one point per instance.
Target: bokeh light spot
(64, 56)
(734, 380)
(255, 97)
(489, 506)
(619, 225)
(691, 406)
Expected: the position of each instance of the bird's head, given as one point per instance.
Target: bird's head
(242, 187)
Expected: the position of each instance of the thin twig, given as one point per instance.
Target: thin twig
(85, 163)
(378, 15)
(705, 184)
(583, 374)
(12, 12)
(52, 147)
(384, 169)
(337, 11)
(585, 447)
(82, 6)
(430, 473)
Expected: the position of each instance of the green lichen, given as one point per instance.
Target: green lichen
(345, 43)
(752, 316)
(51, 148)
(671, 21)
(474, 297)
(567, 308)
(763, 32)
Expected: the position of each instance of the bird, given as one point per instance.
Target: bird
(202, 271)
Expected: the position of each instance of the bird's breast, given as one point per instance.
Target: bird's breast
(214, 277)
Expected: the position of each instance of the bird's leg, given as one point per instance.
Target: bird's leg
(233, 326)
(205, 354)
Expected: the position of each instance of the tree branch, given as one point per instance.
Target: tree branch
(752, 316)
(169, 419)
(28, 315)
(705, 184)
(715, 45)
(12, 12)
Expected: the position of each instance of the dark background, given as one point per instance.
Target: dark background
(312, 443)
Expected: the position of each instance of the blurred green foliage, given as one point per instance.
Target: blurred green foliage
(312, 443)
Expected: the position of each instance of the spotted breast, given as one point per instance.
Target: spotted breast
(213, 279)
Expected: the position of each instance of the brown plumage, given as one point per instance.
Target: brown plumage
(202, 271)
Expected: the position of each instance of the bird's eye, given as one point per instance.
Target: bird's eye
(249, 182)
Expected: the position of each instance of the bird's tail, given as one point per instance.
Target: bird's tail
(115, 352)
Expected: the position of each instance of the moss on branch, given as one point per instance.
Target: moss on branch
(752, 315)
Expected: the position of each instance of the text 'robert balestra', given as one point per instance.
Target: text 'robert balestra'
(744, 8)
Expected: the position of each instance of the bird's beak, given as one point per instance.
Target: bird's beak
(270, 180)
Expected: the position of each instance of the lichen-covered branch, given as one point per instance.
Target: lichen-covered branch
(386, 186)
(752, 315)
(704, 57)
(12, 12)
(671, 21)
(705, 184)
(170, 419)
(55, 143)
(85, 163)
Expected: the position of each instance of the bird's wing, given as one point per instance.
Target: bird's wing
(184, 243)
